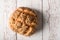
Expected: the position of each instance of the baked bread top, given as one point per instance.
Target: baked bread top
(23, 21)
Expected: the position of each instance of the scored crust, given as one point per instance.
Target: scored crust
(23, 21)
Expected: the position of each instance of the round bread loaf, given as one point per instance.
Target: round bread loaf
(23, 21)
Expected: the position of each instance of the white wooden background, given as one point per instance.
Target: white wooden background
(50, 14)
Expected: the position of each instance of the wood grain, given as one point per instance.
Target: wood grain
(54, 20)
(46, 17)
(9, 6)
(51, 9)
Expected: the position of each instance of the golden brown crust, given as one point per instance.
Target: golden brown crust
(23, 21)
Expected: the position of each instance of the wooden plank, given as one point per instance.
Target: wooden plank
(46, 17)
(35, 4)
(9, 7)
(51, 9)
(54, 20)
(1, 20)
